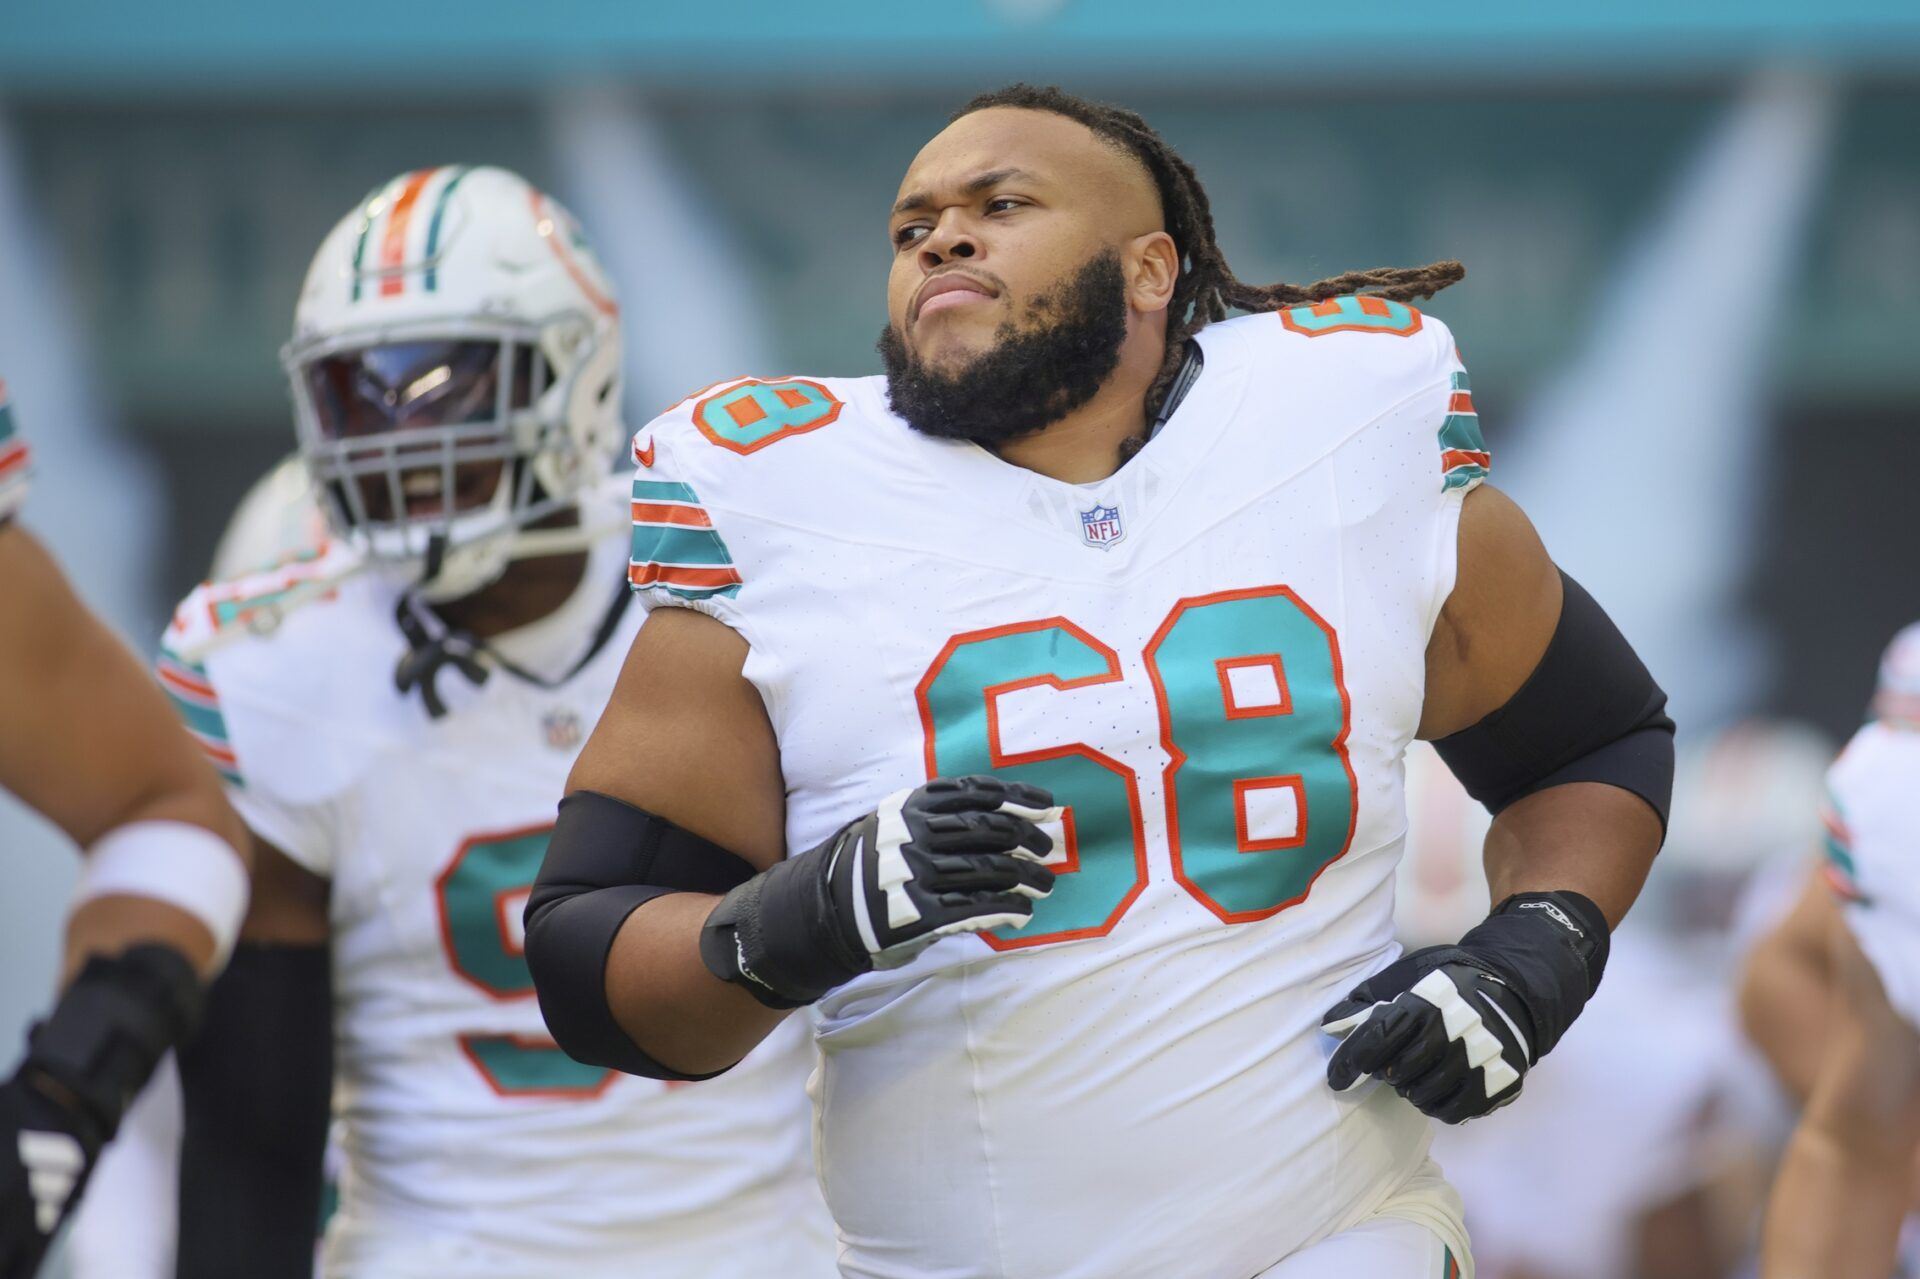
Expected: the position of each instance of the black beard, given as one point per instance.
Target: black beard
(1033, 375)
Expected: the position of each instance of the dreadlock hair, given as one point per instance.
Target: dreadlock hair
(1206, 286)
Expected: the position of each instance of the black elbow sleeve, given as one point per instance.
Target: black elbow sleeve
(1590, 712)
(605, 859)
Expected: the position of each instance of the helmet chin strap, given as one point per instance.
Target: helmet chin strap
(431, 644)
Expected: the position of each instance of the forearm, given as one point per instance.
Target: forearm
(1786, 1010)
(1585, 837)
(667, 1002)
(1837, 1204)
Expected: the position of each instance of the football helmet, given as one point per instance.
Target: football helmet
(455, 368)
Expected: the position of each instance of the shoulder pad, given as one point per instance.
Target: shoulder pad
(217, 613)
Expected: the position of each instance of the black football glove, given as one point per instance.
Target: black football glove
(83, 1066)
(957, 855)
(47, 1149)
(1454, 1029)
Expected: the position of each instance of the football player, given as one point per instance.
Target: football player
(395, 713)
(1844, 970)
(1041, 706)
(89, 742)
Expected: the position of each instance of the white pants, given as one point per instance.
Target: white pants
(1418, 1233)
(1381, 1248)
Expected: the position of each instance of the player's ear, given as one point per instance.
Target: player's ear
(1152, 265)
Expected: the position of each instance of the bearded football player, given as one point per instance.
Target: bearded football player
(1043, 703)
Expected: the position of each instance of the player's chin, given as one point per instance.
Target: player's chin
(941, 346)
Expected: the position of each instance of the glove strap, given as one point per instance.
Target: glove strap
(1549, 949)
(779, 937)
(1581, 926)
(110, 1029)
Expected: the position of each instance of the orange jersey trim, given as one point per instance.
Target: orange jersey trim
(703, 579)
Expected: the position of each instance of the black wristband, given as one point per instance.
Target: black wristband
(112, 1026)
(1551, 948)
(774, 936)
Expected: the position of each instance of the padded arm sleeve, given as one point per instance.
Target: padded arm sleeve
(604, 860)
(256, 1086)
(1590, 712)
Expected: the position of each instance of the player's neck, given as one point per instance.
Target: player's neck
(529, 590)
(1089, 444)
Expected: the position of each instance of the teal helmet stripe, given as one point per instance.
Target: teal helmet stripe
(366, 231)
(433, 227)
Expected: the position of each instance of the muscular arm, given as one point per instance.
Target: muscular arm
(88, 740)
(256, 1086)
(1583, 837)
(1787, 993)
(686, 737)
(1843, 1187)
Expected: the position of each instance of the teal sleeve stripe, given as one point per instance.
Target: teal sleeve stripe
(681, 592)
(203, 720)
(1462, 431)
(1837, 854)
(1460, 382)
(677, 544)
(6, 421)
(662, 491)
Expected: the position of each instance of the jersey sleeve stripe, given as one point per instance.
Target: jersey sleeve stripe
(662, 513)
(1464, 459)
(663, 491)
(666, 544)
(13, 457)
(684, 582)
(198, 705)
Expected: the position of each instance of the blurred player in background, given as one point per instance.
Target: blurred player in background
(1833, 996)
(396, 713)
(1185, 587)
(87, 741)
(1676, 1146)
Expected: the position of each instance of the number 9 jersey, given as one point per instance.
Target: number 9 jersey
(473, 1145)
(1214, 659)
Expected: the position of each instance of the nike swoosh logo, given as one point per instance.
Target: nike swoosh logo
(644, 456)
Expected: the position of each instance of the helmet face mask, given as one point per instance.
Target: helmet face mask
(450, 401)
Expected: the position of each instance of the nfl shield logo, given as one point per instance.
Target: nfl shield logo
(1101, 526)
(562, 728)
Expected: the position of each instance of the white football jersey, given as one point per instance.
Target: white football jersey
(1872, 823)
(467, 1132)
(1215, 659)
(14, 461)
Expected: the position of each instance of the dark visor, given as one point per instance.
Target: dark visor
(408, 385)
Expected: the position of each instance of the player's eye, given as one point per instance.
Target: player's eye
(1002, 203)
(908, 234)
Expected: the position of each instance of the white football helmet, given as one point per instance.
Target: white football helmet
(455, 364)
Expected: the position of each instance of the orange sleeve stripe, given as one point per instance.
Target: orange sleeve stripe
(1464, 457)
(1462, 402)
(216, 751)
(656, 513)
(676, 575)
(176, 678)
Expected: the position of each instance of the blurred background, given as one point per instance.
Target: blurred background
(1692, 234)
